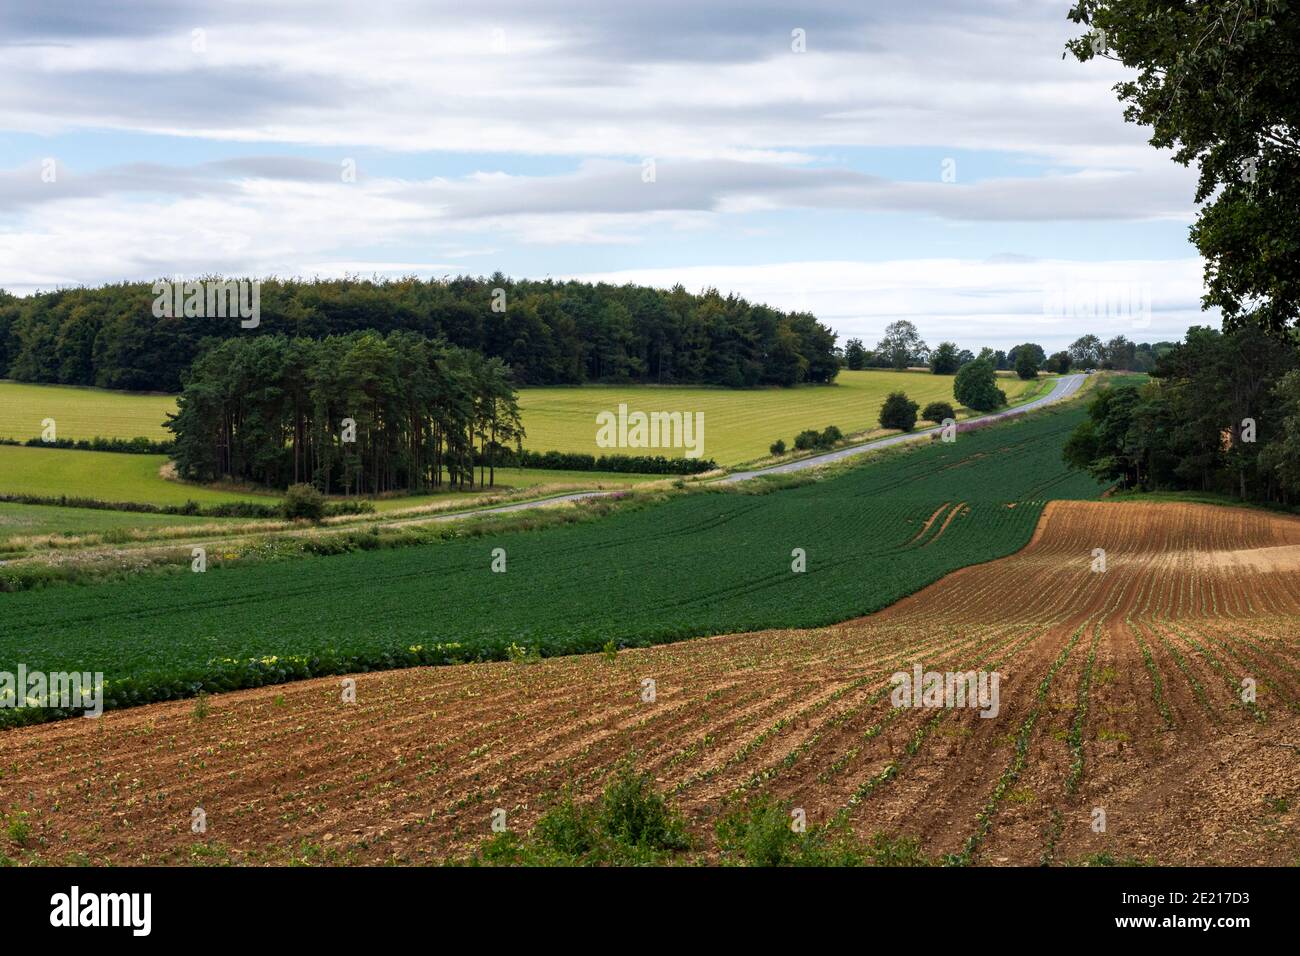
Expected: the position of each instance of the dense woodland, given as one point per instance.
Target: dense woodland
(1222, 414)
(354, 414)
(549, 333)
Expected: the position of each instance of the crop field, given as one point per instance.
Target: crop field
(702, 563)
(1120, 701)
(82, 413)
(739, 425)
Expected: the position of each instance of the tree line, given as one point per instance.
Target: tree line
(548, 332)
(353, 414)
(1221, 414)
(902, 347)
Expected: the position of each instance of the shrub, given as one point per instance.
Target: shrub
(759, 834)
(633, 814)
(976, 387)
(777, 447)
(630, 824)
(576, 461)
(830, 436)
(899, 411)
(303, 501)
(807, 440)
(937, 411)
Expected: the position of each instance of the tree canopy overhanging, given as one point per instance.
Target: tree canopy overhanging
(1219, 84)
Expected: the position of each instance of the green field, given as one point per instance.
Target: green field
(704, 562)
(738, 425)
(108, 476)
(82, 412)
(22, 520)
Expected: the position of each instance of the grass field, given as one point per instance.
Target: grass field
(104, 475)
(82, 412)
(116, 477)
(22, 520)
(706, 562)
(738, 425)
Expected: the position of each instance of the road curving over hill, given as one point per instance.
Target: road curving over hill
(1062, 388)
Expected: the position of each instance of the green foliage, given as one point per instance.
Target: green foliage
(1191, 428)
(18, 828)
(899, 411)
(807, 439)
(901, 346)
(562, 333)
(303, 501)
(944, 359)
(722, 555)
(976, 387)
(1026, 366)
(761, 834)
(358, 413)
(614, 464)
(633, 814)
(937, 411)
(121, 446)
(1218, 84)
(190, 509)
(855, 354)
(777, 447)
(631, 824)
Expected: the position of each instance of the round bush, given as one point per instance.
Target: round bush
(899, 411)
(937, 411)
(303, 501)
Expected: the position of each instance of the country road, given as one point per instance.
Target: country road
(1062, 388)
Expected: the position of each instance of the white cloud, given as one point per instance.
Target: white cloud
(999, 302)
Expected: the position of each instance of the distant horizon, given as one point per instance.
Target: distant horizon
(864, 165)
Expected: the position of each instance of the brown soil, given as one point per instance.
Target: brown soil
(1120, 693)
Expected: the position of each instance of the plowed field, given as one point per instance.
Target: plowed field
(1120, 693)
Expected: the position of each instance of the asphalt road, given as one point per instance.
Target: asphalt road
(1063, 387)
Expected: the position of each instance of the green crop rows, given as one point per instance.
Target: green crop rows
(698, 564)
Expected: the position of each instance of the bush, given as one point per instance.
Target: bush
(759, 834)
(633, 814)
(830, 436)
(303, 501)
(976, 387)
(937, 411)
(899, 411)
(630, 824)
(777, 447)
(807, 440)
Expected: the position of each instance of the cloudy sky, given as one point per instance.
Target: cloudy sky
(935, 160)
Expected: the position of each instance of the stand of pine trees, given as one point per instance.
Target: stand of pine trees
(275, 411)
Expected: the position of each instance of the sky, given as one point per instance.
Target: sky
(936, 161)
